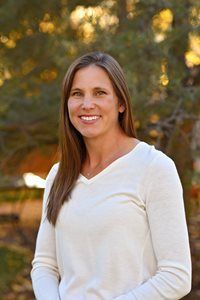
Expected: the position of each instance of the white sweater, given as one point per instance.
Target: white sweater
(121, 236)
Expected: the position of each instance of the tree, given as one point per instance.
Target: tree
(153, 41)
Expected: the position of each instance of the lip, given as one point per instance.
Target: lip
(89, 121)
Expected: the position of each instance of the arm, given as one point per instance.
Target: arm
(166, 216)
(44, 274)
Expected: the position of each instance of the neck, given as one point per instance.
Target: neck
(99, 150)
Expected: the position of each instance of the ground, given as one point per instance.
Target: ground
(17, 243)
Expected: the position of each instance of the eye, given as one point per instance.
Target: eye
(99, 93)
(76, 94)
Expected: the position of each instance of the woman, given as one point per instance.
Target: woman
(113, 222)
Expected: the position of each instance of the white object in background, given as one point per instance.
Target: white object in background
(32, 180)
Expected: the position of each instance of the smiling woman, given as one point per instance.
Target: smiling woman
(113, 223)
(93, 101)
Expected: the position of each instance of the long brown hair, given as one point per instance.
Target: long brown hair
(71, 144)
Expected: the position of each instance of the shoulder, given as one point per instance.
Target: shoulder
(156, 164)
(55, 167)
(153, 158)
(160, 167)
(52, 173)
(160, 174)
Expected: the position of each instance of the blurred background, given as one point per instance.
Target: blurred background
(158, 45)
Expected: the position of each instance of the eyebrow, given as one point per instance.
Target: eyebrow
(96, 88)
(75, 89)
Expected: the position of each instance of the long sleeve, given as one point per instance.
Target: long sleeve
(167, 223)
(44, 274)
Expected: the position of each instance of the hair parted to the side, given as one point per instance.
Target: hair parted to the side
(72, 148)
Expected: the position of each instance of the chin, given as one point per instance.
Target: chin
(90, 135)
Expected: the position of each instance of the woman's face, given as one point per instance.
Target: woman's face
(93, 105)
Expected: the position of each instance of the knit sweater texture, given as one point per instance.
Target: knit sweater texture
(121, 236)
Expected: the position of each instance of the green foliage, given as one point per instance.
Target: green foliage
(20, 194)
(12, 262)
(44, 38)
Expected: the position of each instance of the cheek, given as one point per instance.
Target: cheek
(111, 109)
(71, 107)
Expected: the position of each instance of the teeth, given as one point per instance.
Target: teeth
(89, 118)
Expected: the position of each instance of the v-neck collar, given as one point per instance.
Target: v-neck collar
(107, 169)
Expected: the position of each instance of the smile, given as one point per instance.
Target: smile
(89, 118)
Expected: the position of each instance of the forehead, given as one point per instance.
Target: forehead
(91, 75)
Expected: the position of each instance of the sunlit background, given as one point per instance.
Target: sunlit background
(158, 45)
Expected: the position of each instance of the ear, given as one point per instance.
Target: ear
(121, 108)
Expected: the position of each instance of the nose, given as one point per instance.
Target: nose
(88, 103)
